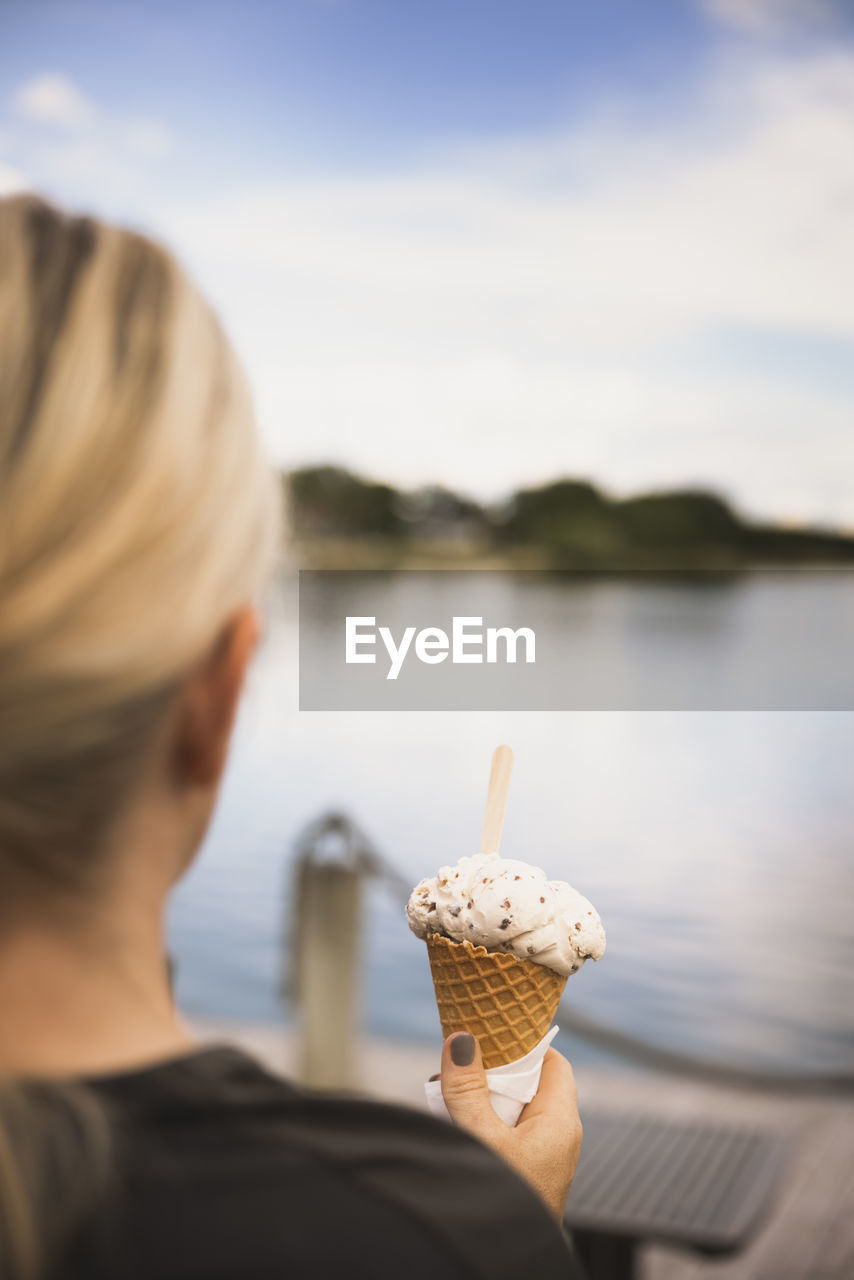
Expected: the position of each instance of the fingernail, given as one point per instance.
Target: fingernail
(436, 1077)
(462, 1049)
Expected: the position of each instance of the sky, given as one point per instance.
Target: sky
(487, 243)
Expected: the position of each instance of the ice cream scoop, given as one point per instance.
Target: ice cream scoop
(507, 905)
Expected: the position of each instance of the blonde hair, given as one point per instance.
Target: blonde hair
(137, 511)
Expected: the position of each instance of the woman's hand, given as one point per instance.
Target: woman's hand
(545, 1144)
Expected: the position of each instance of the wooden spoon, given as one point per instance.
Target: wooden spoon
(496, 799)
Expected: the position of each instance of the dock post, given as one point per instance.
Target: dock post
(326, 960)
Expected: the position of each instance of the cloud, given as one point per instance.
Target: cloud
(52, 98)
(743, 218)
(12, 180)
(79, 150)
(148, 138)
(769, 17)
(493, 316)
(498, 312)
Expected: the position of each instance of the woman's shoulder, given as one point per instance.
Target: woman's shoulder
(318, 1174)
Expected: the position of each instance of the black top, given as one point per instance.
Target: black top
(223, 1170)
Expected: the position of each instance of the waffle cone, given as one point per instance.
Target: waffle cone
(507, 1003)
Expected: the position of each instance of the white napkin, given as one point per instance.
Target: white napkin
(510, 1086)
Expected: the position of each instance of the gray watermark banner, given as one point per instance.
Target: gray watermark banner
(496, 640)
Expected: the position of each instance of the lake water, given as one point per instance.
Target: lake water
(717, 846)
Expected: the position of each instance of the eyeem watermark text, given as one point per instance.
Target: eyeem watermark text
(519, 640)
(469, 642)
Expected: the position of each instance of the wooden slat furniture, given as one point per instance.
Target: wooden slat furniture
(704, 1186)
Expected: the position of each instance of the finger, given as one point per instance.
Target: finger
(557, 1093)
(464, 1086)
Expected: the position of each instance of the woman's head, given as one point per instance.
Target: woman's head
(139, 518)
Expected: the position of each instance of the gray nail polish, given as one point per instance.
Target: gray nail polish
(462, 1049)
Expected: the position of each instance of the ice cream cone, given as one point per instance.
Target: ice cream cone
(507, 1003)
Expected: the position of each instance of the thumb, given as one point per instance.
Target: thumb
(464, 1086)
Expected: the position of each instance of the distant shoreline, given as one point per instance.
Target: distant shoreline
(391, 554)
(343, 521)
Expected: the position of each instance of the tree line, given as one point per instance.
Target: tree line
(571, 522)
